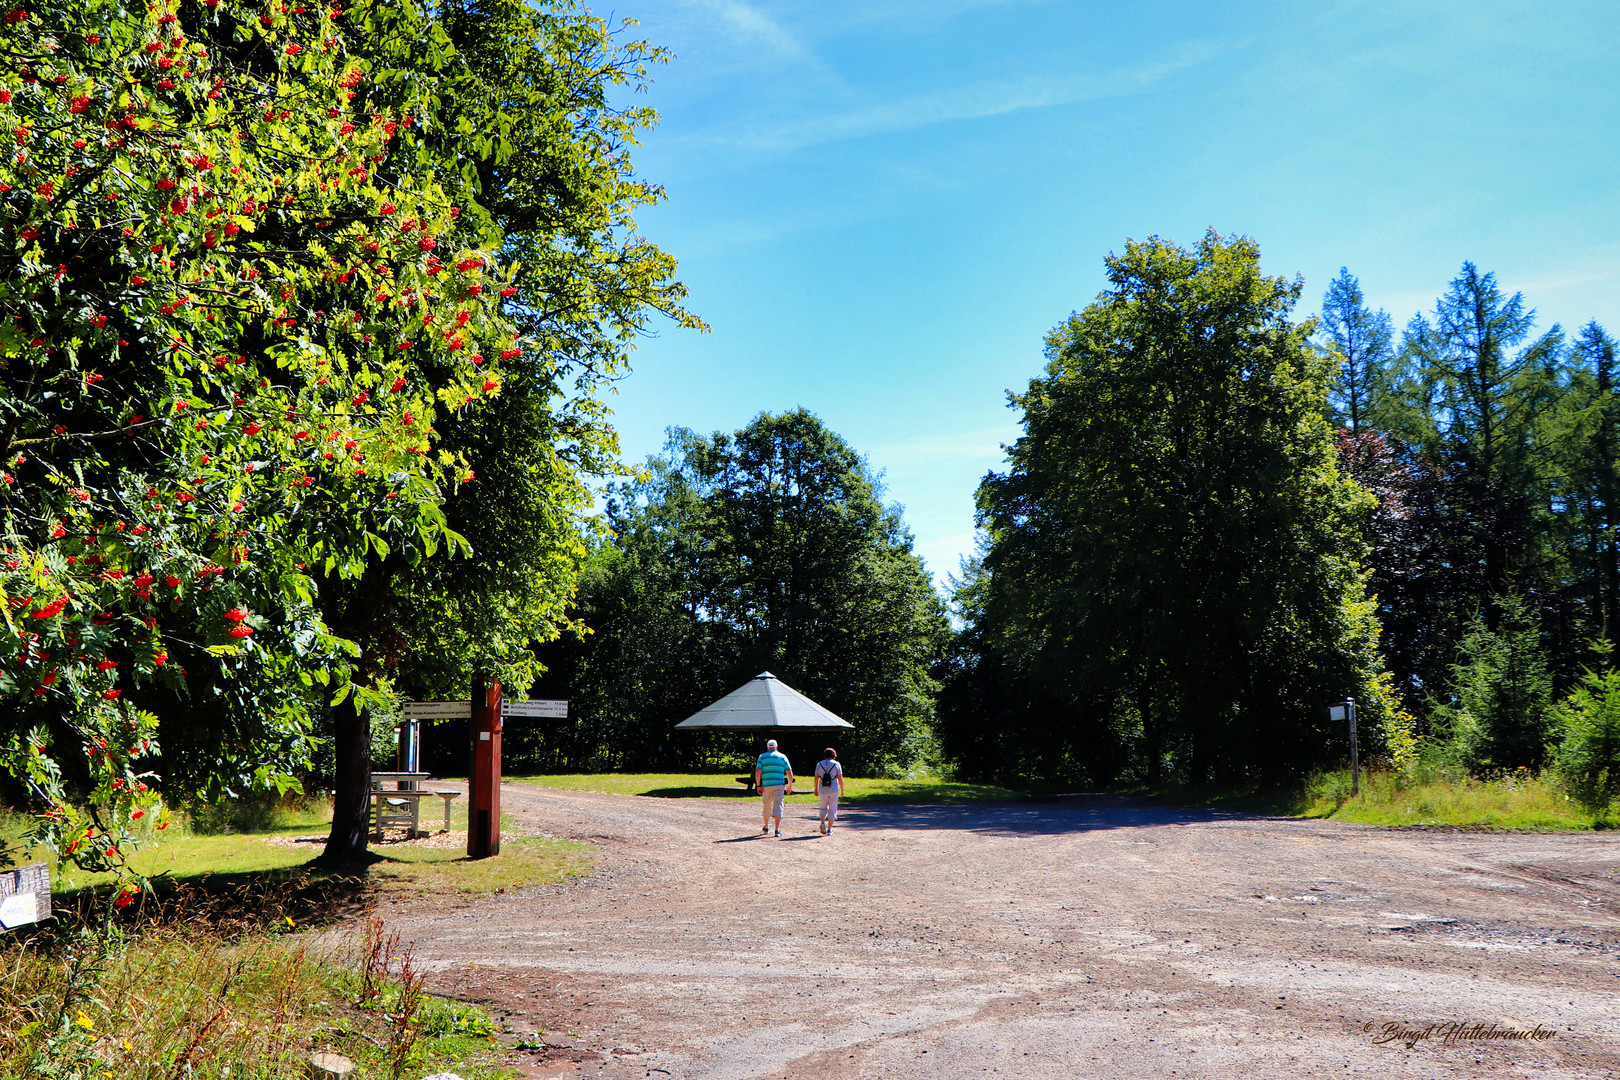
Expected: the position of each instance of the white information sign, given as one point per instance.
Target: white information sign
(437, 710)
(555, 710)
(18, 910)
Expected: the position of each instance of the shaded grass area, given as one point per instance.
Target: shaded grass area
(101, 998)
(857, 790)
(284, 853)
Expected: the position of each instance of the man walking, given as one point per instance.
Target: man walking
(773, 776)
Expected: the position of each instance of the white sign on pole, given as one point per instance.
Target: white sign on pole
(437, 710)
(553, 710)
(1336, 712)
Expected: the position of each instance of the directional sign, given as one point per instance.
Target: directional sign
(437, 710)
(555, 710)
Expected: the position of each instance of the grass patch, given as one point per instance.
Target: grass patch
(857, 790)
(89, 1001)
(1422, 796)
(285, 851)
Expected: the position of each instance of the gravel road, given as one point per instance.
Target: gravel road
(1087, 936)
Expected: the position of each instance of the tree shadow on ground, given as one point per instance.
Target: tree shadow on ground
(695, 791)
(302, 895)
(1049, 816)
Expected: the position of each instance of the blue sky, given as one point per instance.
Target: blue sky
(882, 206)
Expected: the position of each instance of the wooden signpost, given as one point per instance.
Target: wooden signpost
(486, 710)
(25, 895)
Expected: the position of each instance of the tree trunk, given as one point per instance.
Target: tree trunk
(1150, 731)
(351, 799)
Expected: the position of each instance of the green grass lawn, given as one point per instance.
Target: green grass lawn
(1522, 801)
(1429, 797)
(277, 853)
(857, 790)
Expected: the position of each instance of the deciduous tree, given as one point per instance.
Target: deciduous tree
(1174, 555)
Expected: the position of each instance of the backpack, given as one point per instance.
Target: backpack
(826, 775)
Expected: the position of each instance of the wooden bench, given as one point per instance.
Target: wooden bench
(401, 805)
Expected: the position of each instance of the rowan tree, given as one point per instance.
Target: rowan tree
(235, 298)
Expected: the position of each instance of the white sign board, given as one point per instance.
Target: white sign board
(554, 710)
(1336, 712)
(437, 710)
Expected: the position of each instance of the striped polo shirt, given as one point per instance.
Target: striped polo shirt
(773, 768)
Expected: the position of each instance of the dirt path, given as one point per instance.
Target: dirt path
(1089, 936)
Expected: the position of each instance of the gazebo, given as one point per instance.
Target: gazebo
(768, 707)
(764, 703)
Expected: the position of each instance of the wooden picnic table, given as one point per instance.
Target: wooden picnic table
(400, 806)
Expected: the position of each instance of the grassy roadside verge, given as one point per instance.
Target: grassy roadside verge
(1427, 798)
(209, 975)
(857, 791)
(142, 1001)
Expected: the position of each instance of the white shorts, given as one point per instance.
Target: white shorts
(829, 803)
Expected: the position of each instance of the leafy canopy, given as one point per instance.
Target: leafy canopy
(236, 295)
(1172, 573)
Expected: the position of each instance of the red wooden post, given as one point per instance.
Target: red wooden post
(484, 796)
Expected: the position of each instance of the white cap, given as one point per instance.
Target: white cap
(770, 744)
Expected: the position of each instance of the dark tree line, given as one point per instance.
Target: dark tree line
(769, 549)
(1219, 519)
(1491, 449)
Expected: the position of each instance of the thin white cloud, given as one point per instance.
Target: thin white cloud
(934, 451)
(756, 28)
(965, 103)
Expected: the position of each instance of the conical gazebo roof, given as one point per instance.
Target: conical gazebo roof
(763, 702)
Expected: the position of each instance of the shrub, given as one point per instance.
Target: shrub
(1497, 716)
(1588, 754)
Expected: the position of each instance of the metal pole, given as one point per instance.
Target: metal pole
(1355, 757)
(484, 783)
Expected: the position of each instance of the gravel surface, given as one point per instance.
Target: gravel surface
(1087, 936)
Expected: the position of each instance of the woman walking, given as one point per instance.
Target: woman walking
(829, 785)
